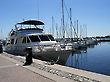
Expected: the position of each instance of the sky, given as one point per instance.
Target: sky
(95, 14)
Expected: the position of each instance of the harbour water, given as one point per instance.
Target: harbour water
(95, 58)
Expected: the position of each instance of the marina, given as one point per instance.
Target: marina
(54, 41)
(84, 54)
(28, 42)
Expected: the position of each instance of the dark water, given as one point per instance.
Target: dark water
(95, 59)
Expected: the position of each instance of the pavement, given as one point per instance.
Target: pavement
(13, 72)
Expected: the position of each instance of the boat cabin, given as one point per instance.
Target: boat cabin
(28, 34)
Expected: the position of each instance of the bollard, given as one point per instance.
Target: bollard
(1, 48)
(28, 56)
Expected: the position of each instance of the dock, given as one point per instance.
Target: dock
(12, 70)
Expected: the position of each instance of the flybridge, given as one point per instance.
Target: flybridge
(27, 27)
(31, 22)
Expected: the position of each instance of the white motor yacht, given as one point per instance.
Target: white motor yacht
(29, 34)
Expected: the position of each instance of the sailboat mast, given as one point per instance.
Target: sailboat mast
(53, 25)
(63, 23)
(38, 8)
(77, 29)
(1, 37)
(71, 24)
(56, 30)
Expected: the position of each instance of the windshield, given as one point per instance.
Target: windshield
(34, 38)
(51, 37)
(38, 38)
(44, 38)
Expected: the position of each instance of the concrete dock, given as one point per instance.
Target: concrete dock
(12, 70)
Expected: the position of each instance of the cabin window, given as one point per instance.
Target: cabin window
(16, 41)
(51, 37)
(44, 38)
(12, 41)
(34, 38)
(24, 40)
(28, 41)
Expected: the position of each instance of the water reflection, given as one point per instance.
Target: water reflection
(77, 59)
(95, 58)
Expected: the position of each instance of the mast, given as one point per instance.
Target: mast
(61, 31)
(38, 9)
(1, 37)
(71, 24)
(77, 29)
(52, 25)
(57, 30)
(63, 23)
(85, 26)
(81, 31)
(84, 31)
